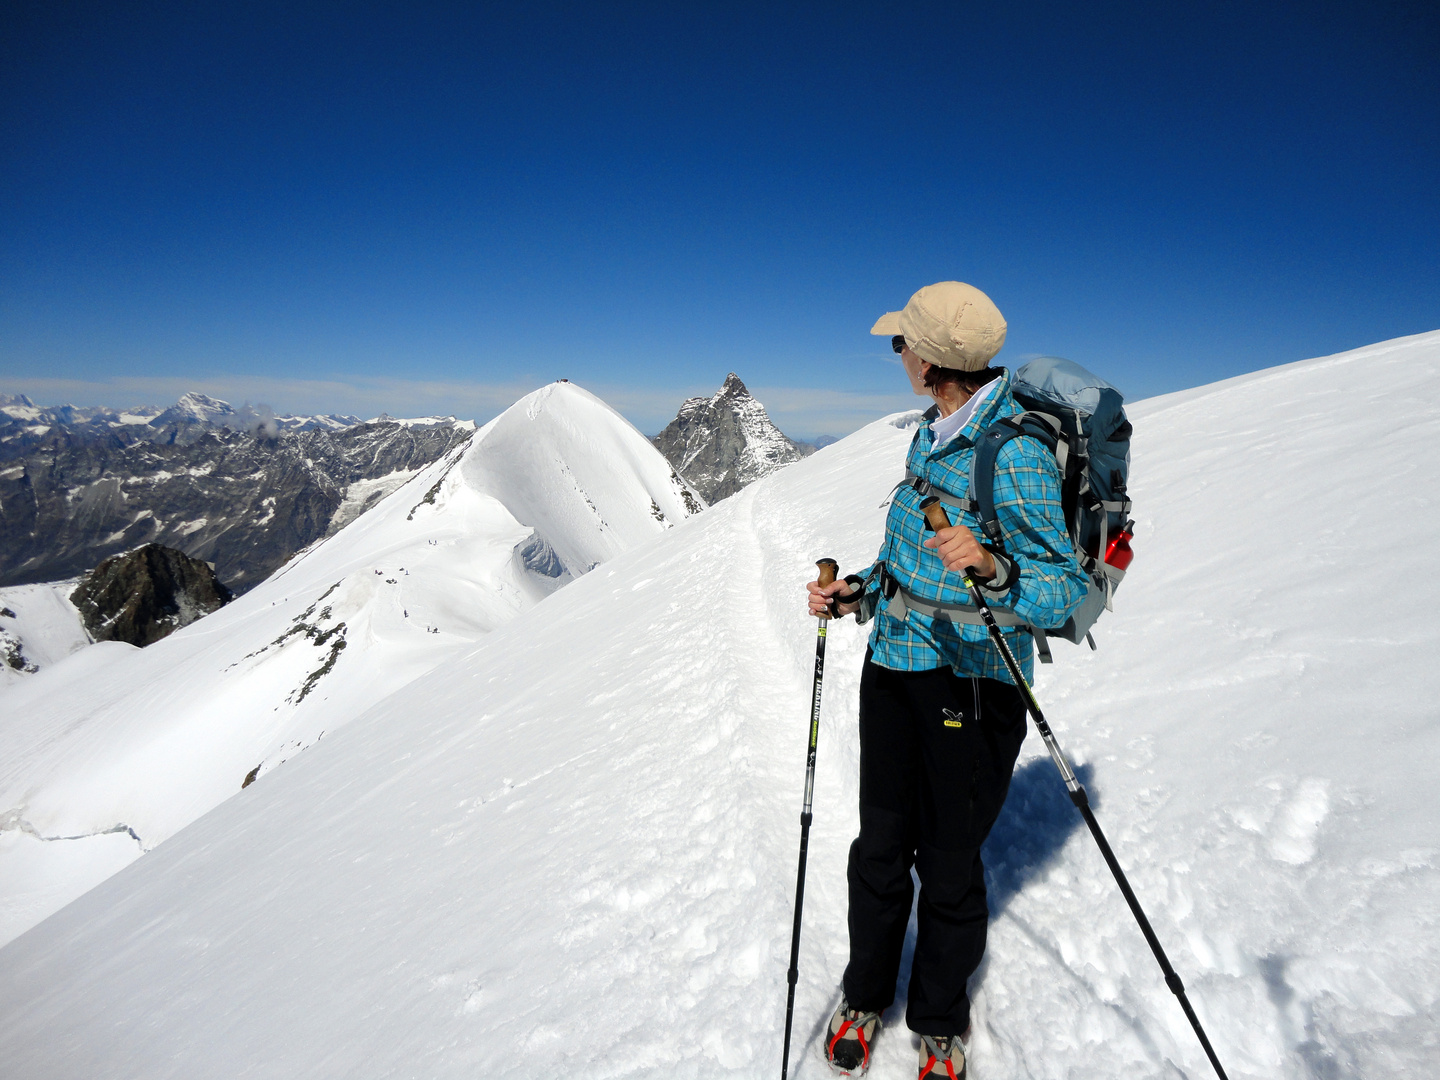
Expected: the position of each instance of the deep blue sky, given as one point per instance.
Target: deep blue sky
(437, 207)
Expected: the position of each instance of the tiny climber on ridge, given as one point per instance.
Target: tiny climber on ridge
(941, 721)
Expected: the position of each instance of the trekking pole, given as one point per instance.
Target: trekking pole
(828, 569)
(938, 519)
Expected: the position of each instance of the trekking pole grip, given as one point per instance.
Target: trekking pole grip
(938, 519)
(934, 511)
(829, 569)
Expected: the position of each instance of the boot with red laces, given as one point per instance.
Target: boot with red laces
(941, 1058)
(847, 1046)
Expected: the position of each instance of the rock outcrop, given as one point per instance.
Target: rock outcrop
(147, 594)
(723, 443)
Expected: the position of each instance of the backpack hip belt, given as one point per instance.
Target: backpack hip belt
(899, 601)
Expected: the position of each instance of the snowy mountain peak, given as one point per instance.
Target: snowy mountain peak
(20, 409)
(204, 406)
(386, 418)
(724, 442)
(576, 471)
(194, 408)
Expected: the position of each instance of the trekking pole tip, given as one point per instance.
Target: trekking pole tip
(829, 568)
(935, 514)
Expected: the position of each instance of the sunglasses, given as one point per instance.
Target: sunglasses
(898, 342)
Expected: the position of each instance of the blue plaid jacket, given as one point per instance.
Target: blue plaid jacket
(1049, 585)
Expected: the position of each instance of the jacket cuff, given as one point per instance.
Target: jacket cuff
(1005, 574)
(869, 597)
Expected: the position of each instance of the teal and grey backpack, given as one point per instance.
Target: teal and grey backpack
(1081, 418)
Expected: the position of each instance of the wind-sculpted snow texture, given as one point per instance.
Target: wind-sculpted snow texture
(148, 740)
(572, 851)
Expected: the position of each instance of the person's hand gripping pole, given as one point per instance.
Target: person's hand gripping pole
(828, 596)
(937, 518)
(829, 568)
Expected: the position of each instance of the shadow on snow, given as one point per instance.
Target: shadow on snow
(1034, 825)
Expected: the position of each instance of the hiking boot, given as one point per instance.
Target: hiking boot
(941, 1058)
(852, 1033)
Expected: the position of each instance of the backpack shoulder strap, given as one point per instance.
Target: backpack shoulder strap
(1037, 425)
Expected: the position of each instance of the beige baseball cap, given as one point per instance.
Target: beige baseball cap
(951, 324)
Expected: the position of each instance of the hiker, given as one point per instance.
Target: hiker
(941, 721)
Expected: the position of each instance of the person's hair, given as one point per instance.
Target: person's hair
(969, 381)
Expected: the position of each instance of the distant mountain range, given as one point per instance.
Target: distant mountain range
(186, 420)
(245, 489)
(240, 488)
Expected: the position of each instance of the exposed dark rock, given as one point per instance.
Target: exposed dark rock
(147, 594)
(540, 557)
(723, 443)
(12, 652)
(72, 494)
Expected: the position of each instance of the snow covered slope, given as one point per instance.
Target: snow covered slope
(571, 851)
(106, 754)
(39, 626)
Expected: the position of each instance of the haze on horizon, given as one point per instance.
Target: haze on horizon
(377, 208)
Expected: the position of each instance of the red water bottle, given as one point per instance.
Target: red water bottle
(1117, 552)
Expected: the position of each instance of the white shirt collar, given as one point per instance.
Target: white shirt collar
(945, 428)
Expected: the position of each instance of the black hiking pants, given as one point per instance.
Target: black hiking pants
(936, 754)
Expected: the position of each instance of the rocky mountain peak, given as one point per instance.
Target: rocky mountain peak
(732, 387)
(721, 444)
